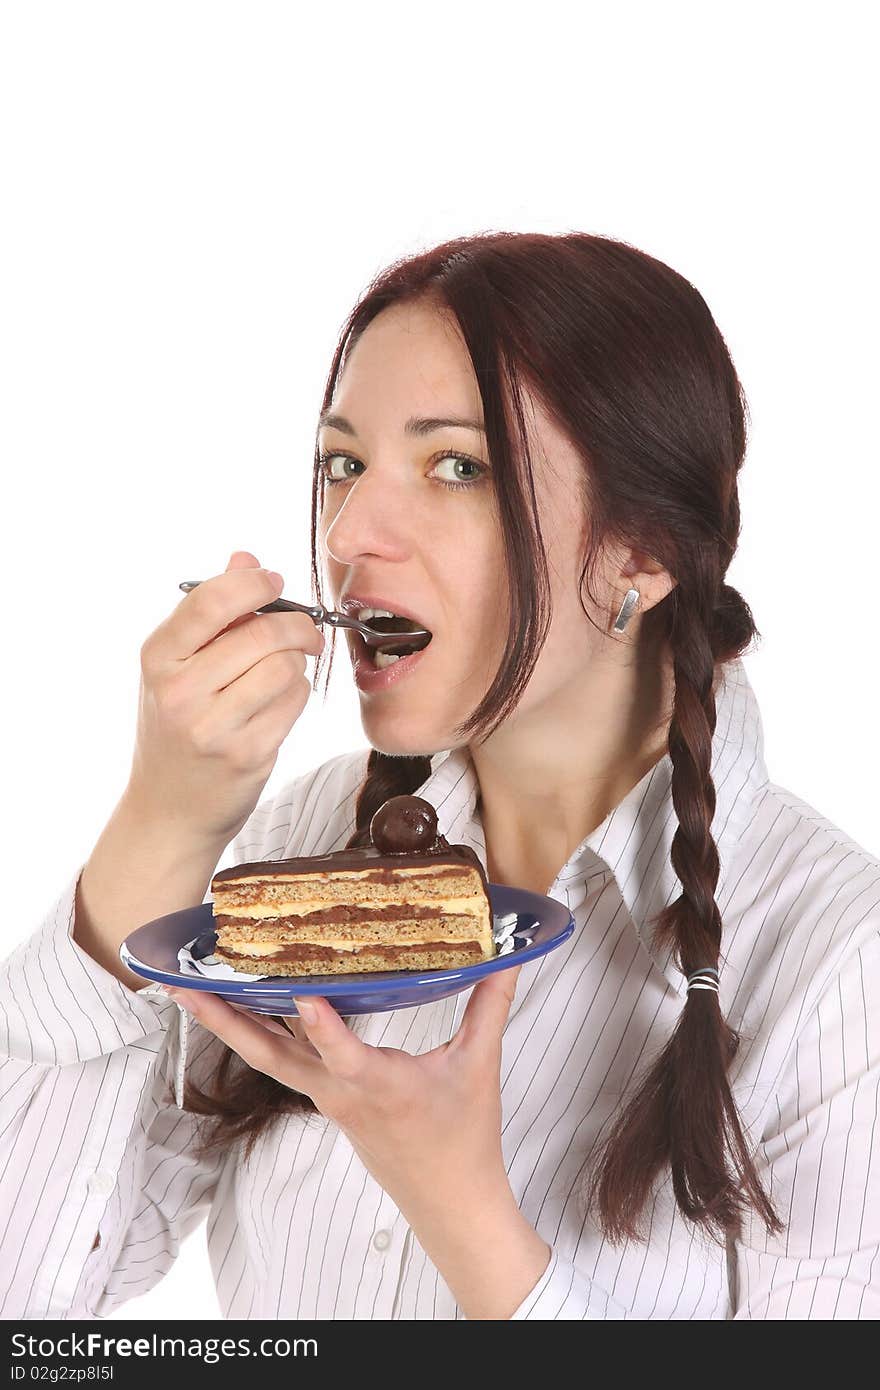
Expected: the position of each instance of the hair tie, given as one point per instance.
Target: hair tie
(697, 979)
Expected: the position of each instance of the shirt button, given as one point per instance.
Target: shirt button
(103, 1183)
(382, 1240)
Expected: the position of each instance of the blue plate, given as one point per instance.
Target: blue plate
(543, 924)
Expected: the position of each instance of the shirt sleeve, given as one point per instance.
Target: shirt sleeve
(564, 1293)
(59, 1006)
(98, 1186)
(821, 1162)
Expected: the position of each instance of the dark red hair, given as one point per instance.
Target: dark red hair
(625, 356)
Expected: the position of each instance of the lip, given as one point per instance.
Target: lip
(367, 678)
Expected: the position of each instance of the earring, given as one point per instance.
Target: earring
(626, 610)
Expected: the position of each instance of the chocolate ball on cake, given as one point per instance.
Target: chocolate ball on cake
(404, 825)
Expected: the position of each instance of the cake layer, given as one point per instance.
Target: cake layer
(464, 928)
(310, 895)
(317, 960)
(342, 913)
(331, 912)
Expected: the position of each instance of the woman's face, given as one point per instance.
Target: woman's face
(392, 531)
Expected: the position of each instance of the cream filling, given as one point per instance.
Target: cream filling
(255, 948)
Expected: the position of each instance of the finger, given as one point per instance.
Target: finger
(233, 654)
(276, 1023)
(289, 1061)
(208, 610)
(488, 1008)
(342, 1052)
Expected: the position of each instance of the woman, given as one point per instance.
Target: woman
(531, 443)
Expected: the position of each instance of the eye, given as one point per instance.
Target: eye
(464, 460)
(342, 472)
(325, 462)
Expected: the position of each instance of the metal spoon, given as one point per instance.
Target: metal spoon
(418, 638)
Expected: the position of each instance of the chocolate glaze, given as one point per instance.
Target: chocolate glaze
(457, 857)
(382, 865)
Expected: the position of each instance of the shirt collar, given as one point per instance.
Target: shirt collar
(634, 841)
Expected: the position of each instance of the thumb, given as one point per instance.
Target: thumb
(242, 560)
(488, 1008)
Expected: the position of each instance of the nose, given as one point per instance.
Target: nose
(372, 520)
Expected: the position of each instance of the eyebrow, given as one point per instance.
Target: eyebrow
(417, 424)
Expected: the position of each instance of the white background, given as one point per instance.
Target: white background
(195, 194)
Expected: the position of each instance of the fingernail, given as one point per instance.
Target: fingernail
(306, 1010)
(278, 578)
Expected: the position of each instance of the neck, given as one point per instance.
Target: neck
(550, 776)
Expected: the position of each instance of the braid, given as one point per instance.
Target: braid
(694, 921)
(683, 1114)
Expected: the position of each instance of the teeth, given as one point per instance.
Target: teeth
(383, 659)
(364, 615)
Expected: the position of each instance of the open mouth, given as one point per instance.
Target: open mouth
(394, 625)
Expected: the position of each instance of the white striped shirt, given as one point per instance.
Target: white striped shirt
(92, 1140)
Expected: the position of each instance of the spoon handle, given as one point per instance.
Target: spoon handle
(316, 611)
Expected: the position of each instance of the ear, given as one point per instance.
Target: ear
(643, 572)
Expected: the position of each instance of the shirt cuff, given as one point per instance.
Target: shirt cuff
(563, 1292)
(61, 1006)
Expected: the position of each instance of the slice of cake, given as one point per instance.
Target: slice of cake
(408, 901)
